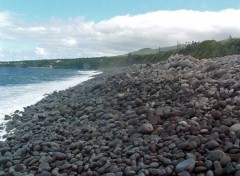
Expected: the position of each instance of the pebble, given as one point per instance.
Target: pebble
(146, 128)
(211, 144)
(235, 128)
(216, 155)
(186, 165)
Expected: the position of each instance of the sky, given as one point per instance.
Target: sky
(52, 29)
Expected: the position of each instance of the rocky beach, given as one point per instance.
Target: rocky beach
(177, 117)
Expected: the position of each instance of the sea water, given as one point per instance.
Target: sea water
(21, 87)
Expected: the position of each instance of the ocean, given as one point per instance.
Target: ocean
(21, 87)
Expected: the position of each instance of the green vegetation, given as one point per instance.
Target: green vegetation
(206, 49)
(211, 48)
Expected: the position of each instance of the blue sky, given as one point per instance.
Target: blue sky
(36, 29)
(103, 9)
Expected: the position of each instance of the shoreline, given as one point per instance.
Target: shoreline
(179, 116)
(69, 82)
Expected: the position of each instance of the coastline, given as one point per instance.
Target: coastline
(180, 116)
(29, 94)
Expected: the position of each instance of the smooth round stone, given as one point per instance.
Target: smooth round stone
(200, 169)
(235, 127)
(238, 167)
(209, 173)
(154, 165)
(146, 128)
(204, 131)
(225, 160)
(211, 144)
(216, 155)
(230, 169)
(186, 165)
(217, 115)
(130, 173)
(18, 167)
(208, 164)
(184, 173)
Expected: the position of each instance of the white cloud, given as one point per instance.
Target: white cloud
(76, 37)
(69, 41)
(1, 53)
(40, 51)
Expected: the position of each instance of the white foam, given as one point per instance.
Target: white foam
(14, 98)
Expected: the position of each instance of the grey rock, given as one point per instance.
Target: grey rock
(235, 128)
(4, 160)
(209, 173)
(186, 165)
(216, 155)
(230, 169)
(211, 144)
(146, 128)
(184, 173)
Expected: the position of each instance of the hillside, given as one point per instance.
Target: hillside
(206, 49)
(146, 51)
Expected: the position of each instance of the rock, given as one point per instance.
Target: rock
(230, 169)
(130, 173)
(216, 155)
(110, 174)
(164, 160)
(44, 166)
(208, 164)
(209, 173)
(4, 160)
(59, 155)
(211, 144)
(217, 115)
(218, 168)
(158, 131)
(200, 169)
(184, 173)
(235, 127)
(138, 102)
(186, 165)
(146, 128)
(225, 160)
(19, 168)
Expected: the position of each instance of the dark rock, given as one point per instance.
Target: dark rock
(211, 144)
(217, 115)
(138, 101)
(218, 168)
(4, 160)
(19, 168)
(230, 169)
(200, 169)
(216, 155)
(164, 160)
